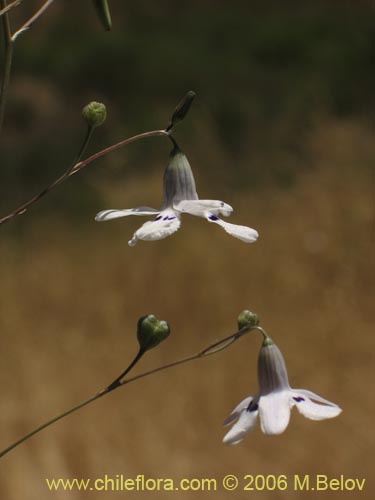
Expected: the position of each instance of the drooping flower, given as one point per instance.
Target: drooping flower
(179, 196)
(274, 400)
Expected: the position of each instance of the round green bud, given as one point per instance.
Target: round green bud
(247, 319)
(94, 114)
(151, 331)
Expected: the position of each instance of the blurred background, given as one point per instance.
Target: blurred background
(282, 129)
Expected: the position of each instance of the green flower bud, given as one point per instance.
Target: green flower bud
(103, 12)
(151, 331)
(94, 114)
(182, 109)
(247, 319)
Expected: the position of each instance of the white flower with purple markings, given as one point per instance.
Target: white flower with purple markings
(275, 400)
(180, 196)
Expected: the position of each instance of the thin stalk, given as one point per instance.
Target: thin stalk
(117, 380)
(52, 421)
(118, 145)
(10, 7)
(9, 40)
(263, 332)
(214, 348)
(27, 25)
(85, 143)
(8, 56)
(23, 208)
(211, 349)
(76, 166)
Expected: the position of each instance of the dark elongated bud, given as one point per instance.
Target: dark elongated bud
(104, 14)
(247, 319)
(151, 331)
(94, 114)
(182, 109)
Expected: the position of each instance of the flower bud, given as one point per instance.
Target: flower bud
(94, 114)
(182, 109)
(103, 12)
(247, 319)
(151, 331)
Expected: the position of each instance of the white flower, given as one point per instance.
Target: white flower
(180, 196)
(274, 400)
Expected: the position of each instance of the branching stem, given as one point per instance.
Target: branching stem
(27, 25)
(10, 6)
(78, 165)
(211, 349)
(8, 56)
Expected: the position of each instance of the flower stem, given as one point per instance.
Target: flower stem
(10, 6)
(27, 25)
(173, 141)
(9, 40)
(266, 338)
(76, 166)
(23, 208)
(50, 422)
(117, 381)
(114, 147)
(85, 143)
(8, 56)
(211, 349)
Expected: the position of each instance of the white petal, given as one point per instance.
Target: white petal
(244, 424)
(312, 410)
(243, 233)
(116, 214)
(237, 410)
(165, 224)
(274, 412)
(312, 395)
(202, 208)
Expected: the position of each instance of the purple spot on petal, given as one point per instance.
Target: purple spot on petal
(158, 217)
(165, 217)
(299, 399)
(252, 407)
(171, 217)
(213, 217)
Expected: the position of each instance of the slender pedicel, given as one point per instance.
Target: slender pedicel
(150, 332)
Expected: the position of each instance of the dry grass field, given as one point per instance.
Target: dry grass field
(70, 297)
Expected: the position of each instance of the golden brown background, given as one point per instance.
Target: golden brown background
(71, 290)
